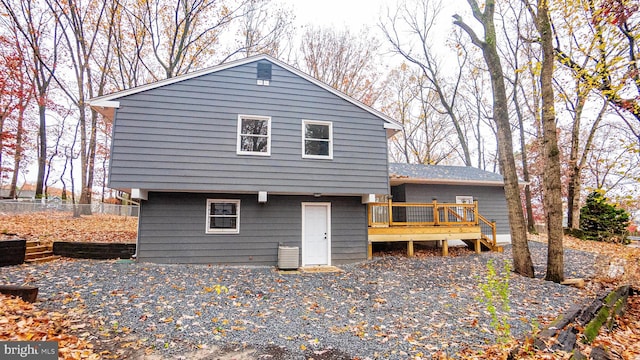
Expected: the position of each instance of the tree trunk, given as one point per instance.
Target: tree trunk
(531, 228)
(2, 117)
(551, 177)
(42, 148)
(18, 155)
(90, 159)
(522, 263)
(573, 188)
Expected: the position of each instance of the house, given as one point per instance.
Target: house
(233, 161)
(453, 184)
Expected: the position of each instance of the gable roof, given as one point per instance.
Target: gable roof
(441, 174)
(110, 101)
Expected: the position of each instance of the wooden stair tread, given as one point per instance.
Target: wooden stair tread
(42, 259)
(38, 248)
(36, 255)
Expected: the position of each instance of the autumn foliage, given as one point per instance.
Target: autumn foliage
(56, 226)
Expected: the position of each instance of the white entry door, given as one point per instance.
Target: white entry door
(316, 234)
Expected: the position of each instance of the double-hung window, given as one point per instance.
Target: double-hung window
(317, 139)
(254, 135)
(223, 216)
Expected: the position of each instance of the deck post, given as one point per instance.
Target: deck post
(436, 215)
(494, 241)
(477, 246)
(445, 247)
(370, 251)
(390, 211)
(369, 214)
(410, 248)
(475, 212)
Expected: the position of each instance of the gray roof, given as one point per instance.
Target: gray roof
(441, 174)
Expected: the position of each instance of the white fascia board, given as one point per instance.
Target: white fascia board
(394, 182)
(104, 103)
(393, 126)
(389, 121)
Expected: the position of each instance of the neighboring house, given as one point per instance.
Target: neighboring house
(453, 184)
(231, 162)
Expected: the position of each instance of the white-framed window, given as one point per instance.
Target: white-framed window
(317, 139)
(464, 212)
(254, 135)
(223, 216)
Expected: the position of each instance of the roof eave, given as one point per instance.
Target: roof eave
(400, 181)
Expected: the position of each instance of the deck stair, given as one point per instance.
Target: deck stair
(486, 245)
(38, 252)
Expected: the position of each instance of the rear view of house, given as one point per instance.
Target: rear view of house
(233, 161)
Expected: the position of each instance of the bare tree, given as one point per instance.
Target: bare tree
(521, 256)
(38, 28)
(420, 23)
(343, 61)
(86, 26)
(425, 133)
(264, 29)
(183, 35)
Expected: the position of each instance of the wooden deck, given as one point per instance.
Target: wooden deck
(421, 222)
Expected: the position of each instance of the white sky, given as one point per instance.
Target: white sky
(338, 13)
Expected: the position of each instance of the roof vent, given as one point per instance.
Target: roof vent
(264, 73)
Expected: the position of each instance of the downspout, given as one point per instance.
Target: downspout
(135, 255)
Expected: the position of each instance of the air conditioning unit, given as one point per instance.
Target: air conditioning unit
(288, 257)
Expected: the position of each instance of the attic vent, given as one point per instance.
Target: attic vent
(264, 73)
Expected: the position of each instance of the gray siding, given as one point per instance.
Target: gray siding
(491, 200)
(172, 229)
(182, 137)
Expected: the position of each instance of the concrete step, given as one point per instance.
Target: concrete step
(42, 259)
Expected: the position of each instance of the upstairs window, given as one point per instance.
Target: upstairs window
(317, 139)
(254, 135)
(223, 216)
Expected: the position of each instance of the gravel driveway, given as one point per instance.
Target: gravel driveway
(391, 307)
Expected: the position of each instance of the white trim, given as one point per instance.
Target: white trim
(223, 231)
(460, 199)
(390, 123)
(317, 122)
(328, 214)
(392, 126)
(140, 194)
(104, 103)
(253, 117)
(405, 180)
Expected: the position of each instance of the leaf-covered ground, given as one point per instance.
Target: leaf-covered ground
(88, 333)
(21, 321)
(62, 226)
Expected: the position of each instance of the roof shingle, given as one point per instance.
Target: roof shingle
(418, 173)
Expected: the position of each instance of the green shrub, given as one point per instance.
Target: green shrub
(602, 221)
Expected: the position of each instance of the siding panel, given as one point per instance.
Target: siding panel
(491, 200)
(172, 229)
(182, 137)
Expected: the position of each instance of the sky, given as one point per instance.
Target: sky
(338, 13)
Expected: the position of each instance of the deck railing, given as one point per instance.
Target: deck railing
(389, 214)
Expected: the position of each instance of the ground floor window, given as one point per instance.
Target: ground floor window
(223, 216)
